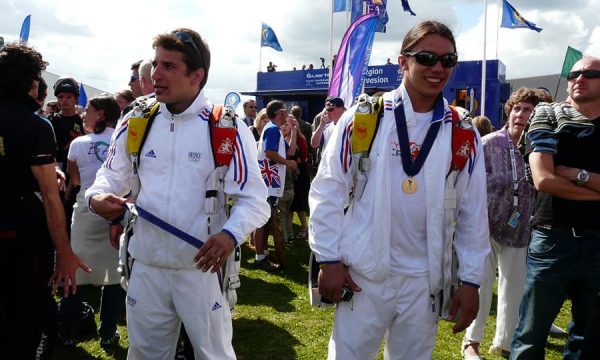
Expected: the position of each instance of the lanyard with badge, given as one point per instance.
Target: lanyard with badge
(513, 220)
(412, 167)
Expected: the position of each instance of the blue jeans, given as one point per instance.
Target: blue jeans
(560, 263)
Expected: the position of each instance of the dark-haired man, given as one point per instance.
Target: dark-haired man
(134, 79)
(249, 112)
(67, 123)
(172, 182)
(32, 222)
(563, 141)
(334, 108)
(393, 246)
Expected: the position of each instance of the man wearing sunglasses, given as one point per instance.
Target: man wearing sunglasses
(562, 145)
(334, 108)
(393, 245)
(170, 282)
(134, 79)
(249, 112)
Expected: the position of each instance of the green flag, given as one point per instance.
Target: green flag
(571, 57)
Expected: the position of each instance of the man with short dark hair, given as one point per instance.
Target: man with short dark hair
(249, 112)
(334, 108)
(563, 141)
(67, 123)
(32, 222)
(134, 79)
(272, 160)
(174, 181)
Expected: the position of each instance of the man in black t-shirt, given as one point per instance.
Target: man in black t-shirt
(563, 143)
(32, 222)
(67, 123)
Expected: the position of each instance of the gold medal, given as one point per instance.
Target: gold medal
(409, 186)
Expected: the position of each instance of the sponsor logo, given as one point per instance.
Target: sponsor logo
(216, 306)
(361, 131)
(194, 156)
(226, 147)
(150, 154)
(131, 301)
(464, 150)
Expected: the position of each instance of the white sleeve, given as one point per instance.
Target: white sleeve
(76, 149)
(244, 183)
(114, 176)
(329, 190)
(472, 231)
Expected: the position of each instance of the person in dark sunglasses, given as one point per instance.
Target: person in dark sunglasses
(334, 108)
(562, 146)
(392, 247)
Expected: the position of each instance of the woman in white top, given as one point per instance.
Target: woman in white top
(90, 232)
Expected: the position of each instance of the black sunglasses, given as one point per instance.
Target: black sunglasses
(186, 38)
(427, 58)
(329, 109)
(588, 74)
(134, 78)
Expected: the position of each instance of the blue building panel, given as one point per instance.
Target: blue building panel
(308, 88)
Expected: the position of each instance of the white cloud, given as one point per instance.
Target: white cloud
(96, 42)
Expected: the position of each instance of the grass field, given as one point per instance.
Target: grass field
(274, 320)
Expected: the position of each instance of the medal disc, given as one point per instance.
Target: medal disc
(409, 186)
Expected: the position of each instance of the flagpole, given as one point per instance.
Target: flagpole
(260, 50)
(331, 41)
(498, 28)
(483, 65)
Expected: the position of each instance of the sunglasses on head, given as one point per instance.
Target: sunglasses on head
(427, 58)
(186, 38)
(588, 74)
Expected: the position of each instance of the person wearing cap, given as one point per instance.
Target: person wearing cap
(67, 123)
(334, 108)
(172, 282)
(392, 242)
(134, 79)
(32, 223)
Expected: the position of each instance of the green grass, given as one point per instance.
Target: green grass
(274, 320)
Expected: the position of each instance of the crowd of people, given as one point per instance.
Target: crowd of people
(410, 221)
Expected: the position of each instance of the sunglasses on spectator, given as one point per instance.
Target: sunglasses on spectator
(427, 58)
(588, 74)
(252, 107)
(330, 109)
(134, 78)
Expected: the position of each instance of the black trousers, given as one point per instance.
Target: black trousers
(27, 307)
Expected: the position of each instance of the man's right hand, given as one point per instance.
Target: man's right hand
(332, 278)
(109, 206)
(292, 164)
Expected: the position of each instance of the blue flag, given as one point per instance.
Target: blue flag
(511, 19)
(268, 38)
(407, 8)
(353, 58)
(379, 7)
(82, 96)
(339, 5)
(24, 36)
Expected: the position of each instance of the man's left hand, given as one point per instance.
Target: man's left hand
(214, 252)
(465, 303)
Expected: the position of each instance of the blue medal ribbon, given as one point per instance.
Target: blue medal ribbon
(412, 168)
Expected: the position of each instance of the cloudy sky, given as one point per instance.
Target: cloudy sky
(96, 41)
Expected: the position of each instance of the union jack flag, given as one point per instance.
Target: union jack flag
(270, 174)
